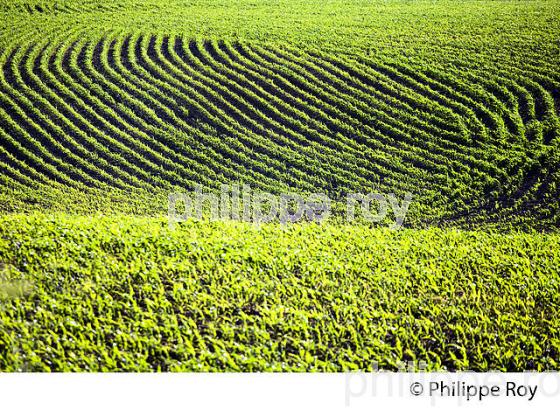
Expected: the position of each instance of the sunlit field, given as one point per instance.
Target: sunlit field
(107, 107)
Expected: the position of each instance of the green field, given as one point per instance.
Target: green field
(107, 107)
(99, 294)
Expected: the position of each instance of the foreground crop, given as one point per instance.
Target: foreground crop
(99, 293)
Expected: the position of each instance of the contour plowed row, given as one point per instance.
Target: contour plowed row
(146, 113)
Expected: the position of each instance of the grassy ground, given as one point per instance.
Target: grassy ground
(126, 293)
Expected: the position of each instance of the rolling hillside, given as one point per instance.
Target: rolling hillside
(107, 107)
